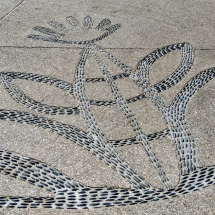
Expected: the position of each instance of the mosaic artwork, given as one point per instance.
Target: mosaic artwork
(70, 194)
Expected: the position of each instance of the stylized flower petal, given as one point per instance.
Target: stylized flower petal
(59, 26)
(39, 37)
(88, 23)
(73, 23)
(6, 79)
(47, 31)
(62, 30)
(103, 24)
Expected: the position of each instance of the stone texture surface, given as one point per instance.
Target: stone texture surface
(145, 27)
(7, 7)
(151, 24)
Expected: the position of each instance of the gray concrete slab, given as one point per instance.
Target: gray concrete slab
(7, 7)
(146, 26)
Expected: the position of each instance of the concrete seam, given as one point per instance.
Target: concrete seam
(11, 11)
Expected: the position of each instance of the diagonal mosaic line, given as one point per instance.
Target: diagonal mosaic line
(130, 117)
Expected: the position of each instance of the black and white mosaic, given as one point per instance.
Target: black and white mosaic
(73, 195)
